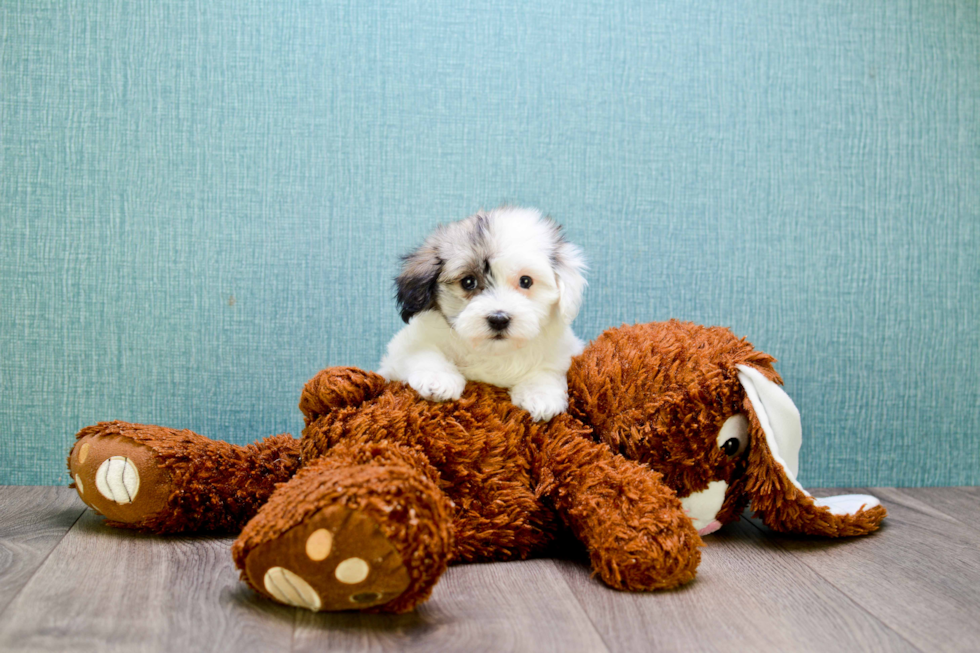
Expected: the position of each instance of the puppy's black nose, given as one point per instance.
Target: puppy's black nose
(498, 321)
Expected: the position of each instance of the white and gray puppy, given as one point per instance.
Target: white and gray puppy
(490, 298)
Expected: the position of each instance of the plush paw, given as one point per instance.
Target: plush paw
(543, 401)
(438, 386)
(336, 560)
(119, 478)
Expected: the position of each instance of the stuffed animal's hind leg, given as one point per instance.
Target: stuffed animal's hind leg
(163, 480)
(362, 527)
(633, 525)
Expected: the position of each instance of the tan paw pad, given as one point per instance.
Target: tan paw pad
(318, 544)
(352, 571)
(290, 589)
(341, 554)
(118, 480)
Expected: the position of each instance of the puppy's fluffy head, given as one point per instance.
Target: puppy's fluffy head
(498, 277)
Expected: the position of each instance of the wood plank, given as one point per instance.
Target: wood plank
(960, 503)
(748, 596)
(504, 606)
(105, 589)
(916, 583)
(32, 522)
(919, 574)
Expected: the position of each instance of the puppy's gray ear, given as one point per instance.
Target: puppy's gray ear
(569, 265)
(417, 285)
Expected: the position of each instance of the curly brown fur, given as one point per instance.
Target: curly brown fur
(388, 482)
(338, 387)
(481, 447)
(632, 524)
(652, 392)
(476, 479)
(212, 486)
(785, 508)
(660, 392)
(507, 477)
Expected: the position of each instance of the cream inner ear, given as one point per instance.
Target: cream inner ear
(779, 418)
(780, 421)
(848, 504)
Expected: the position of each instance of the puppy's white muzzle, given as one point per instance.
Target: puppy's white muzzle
(496, 314)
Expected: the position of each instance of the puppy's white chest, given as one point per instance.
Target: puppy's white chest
(503, 370)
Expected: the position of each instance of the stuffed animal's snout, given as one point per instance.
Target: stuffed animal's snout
(703, 507)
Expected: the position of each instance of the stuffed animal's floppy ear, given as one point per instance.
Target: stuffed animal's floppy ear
(418, 283)
(776, 495)
(569, 265)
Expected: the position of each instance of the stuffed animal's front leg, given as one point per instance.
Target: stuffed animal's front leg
(364, 527)
(632, 524)
(163, 480)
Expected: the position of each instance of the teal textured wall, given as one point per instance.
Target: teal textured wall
(203, 202)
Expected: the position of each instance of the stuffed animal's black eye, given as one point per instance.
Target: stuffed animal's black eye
(526, 281)
(733, 438)
(730, 447)
(468, 283)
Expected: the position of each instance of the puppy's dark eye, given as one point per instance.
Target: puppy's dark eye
(526, 281)
(468, 283)
(730, 447)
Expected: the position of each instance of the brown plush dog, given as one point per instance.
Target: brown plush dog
(672, 429)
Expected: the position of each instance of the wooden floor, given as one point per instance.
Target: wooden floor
(67, 583)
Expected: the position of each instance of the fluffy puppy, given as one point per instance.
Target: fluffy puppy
(490, 298)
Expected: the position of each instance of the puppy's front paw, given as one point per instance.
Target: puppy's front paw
(542, 401)
(438, 386)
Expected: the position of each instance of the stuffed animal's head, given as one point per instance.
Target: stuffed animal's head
(706, 410)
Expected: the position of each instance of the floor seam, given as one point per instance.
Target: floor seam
(831, 583)
(958, 520)
(571, 591)
(43, 561)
